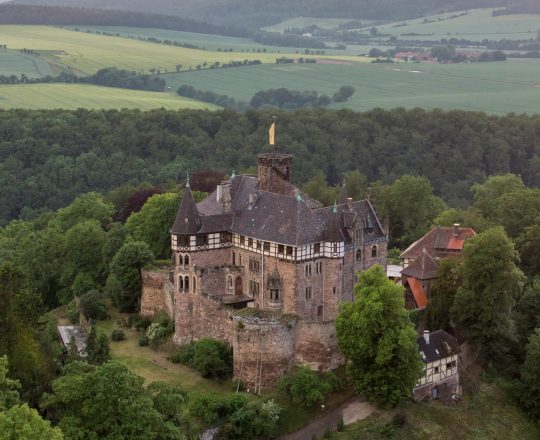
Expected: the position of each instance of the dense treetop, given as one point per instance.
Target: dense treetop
(49, 157)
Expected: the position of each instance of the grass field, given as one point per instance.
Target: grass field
(87, 53)
(477, 25)
(301, 22)
(15, 63)
(488, 414)
(72, 96)
(512, 86)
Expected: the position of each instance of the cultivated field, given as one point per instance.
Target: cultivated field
(15, 63)
(86, 53)
(512, 86)
(476, 25)
(72, 96)
(301, 22)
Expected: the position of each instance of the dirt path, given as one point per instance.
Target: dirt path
(352, 411)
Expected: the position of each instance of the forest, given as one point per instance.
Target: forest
(49, 157)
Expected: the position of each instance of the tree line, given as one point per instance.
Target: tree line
(49, 157)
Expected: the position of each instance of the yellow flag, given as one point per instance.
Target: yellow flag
(272, 134)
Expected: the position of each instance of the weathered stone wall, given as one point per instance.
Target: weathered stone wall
(262, 352)
(381, 258)
(157, 293)
(333, 288)
(316, 346)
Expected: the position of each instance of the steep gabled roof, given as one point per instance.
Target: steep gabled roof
(422, 268)
(441, 345)
(439, 242)
(420, 297)
(187, 219)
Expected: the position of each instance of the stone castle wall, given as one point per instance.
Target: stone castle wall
(316, 346)
(157, 293)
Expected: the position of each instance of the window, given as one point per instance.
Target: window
(254, 288)
(289, 250)
(359, 255)
(180, 283)
(254, 265)
(194, 284)
(242, 240)
(250, 242)
(308, 292)
(225, 237)
(266, 246)
(259, 244)
(318, 267)
(186, 284)
(436, 370)
(182, 240)
(201, 240)
(274, 294)
(229, 282)
(335, 248)
(281, 249)
(234, 258)
(334, 290)
(186, 260)
(374, 251)
(317, 248)
(239, 259)
(451, 365)
(319, 311)
(307, 269)
(180, 260)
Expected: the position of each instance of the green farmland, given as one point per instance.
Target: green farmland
(476, 25)
(73, 96)
(15, 63)
(498, 88)
(86, 53)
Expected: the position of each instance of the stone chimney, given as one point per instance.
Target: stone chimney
(275, 173)
(223, 195)
(457, 229)
(426, 336)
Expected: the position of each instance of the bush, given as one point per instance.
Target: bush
(142, 323)
(307, 386)
(118, 335)
(211, 407)
(143, 341)
(211, 358)
(328, 433)
(158, 331)
(72, 312)
(92, 306)
(340, 425)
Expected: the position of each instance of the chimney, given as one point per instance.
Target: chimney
(275, 172)
(456, 229)
(426, 336)
(223, 195)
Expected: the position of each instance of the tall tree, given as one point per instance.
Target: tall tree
(530, 377)
(24, 423)
(378, 339)
(491, 284)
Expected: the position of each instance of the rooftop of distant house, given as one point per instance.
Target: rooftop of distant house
(437, 345)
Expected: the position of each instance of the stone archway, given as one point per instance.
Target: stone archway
(238, 286)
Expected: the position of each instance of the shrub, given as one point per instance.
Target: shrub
(340, 425)
(328, 433)
(118, 335)
(142, 324)
(92, 306)
(143, 341)
(307, 386)
(158, 331)
(72, 312)
(211, 358)
(211, 407)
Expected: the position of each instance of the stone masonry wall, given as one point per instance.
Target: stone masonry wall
(316, 346)
(262, 353)
(157, 293)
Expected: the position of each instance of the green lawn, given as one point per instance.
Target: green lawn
(477, 25)
(73, 96)
(16, 63)
(512, 86)
(487, 415)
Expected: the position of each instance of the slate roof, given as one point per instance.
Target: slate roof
(439, 242)
(288, 219)
(441, 345)
(422, 268)
(187, 219)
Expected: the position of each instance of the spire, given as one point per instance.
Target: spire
(343, 195)
(334, 234)
(187, 218)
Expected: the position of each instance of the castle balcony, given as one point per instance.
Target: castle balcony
(234, 301)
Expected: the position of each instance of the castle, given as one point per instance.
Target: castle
(261, 265)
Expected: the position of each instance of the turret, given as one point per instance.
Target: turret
(187, 218)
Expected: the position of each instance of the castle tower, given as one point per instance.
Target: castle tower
(275, 173)
(187, 219)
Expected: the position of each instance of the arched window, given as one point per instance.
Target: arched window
(229, 282)
(186, 260)
(359, 255)
(194, 284)
(186, 284)
(180, 260)
(180, 283)
(374, 251)
(274, 294)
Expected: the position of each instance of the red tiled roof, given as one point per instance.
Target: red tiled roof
(417, 290)
(439, 242)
